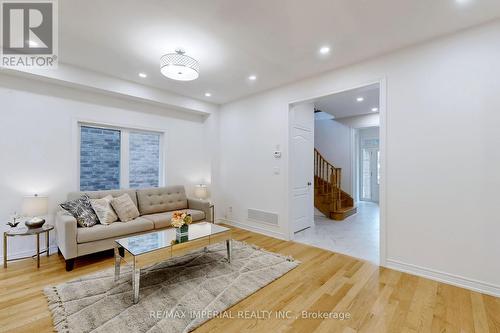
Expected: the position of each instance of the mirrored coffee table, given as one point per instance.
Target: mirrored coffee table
(157, 246)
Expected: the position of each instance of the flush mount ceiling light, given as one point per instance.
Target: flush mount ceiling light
(252, 77)
(178, 66)
(360, 99)
(324, 50)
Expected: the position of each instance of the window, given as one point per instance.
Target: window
(144, 159)
(99, 159)
(112, 158)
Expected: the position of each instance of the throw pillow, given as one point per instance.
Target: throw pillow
(82, 211)
(125, 208)
(103, 209)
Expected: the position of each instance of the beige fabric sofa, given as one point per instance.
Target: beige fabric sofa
(155, 206)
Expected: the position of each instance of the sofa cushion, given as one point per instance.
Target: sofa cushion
(82, 210)
(113, 230)
(162, 220)
(103, 209)
(161, 199)
(102, 194)
(125, 208)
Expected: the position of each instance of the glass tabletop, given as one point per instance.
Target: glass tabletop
(23, 230)
(144, 243)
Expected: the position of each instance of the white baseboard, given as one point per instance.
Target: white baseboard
(459, 281)
(26, 253)
(253, 228)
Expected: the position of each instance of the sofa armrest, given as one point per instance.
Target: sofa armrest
(202, 205)
(66, 234)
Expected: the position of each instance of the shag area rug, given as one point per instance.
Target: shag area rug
(177, 295)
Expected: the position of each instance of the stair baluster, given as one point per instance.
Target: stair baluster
(328, 189)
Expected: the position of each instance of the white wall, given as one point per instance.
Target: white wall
(333, 140)
(442, 135)
(38, 147)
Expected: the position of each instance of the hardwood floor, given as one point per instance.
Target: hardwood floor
(377, 299)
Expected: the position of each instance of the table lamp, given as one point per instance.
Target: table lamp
(201, 191)
(34, 207)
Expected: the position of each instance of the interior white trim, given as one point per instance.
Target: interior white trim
(456, 280)
(75, 77)
(253, 228)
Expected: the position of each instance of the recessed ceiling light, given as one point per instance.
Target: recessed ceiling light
(252, 77)
(143, 75)
(33, 43)
(374, 109)
(324, 50)
(207, 94)
(360, 99)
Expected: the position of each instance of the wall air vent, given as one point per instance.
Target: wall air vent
(261, 216)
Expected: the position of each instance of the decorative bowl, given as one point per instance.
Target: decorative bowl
(34, 223)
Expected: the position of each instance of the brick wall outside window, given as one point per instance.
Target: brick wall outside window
(99, 159)
(144, 159)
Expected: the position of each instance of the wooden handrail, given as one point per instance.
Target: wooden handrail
(328, 179)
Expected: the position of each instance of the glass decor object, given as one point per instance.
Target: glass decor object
(182, 234)
(184, 229)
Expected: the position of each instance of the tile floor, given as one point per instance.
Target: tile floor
(357, 236)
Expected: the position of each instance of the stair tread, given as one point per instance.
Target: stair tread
(344, 209)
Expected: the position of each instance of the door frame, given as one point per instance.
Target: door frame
(289, 233)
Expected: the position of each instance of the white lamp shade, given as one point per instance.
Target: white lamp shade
(35, 206)
(201, 191)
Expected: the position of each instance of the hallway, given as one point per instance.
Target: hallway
(357, 236)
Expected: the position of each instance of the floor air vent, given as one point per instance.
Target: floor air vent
(261, 216)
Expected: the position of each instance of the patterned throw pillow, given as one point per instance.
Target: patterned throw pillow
(103, 209)
(82, 210)
(125, 208)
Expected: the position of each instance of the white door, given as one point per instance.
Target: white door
(302, 164)
(370, 174)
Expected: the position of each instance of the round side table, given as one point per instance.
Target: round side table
(24, 231)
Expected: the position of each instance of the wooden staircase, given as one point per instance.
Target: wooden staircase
(329, 198)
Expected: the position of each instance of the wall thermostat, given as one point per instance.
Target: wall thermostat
(277, 154)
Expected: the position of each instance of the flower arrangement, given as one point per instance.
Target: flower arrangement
(180, 218)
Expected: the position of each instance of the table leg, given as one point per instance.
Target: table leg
(118, 260)
(228, 248)
(136, 276)
(47, 240)
(4, 250)
(38, 250)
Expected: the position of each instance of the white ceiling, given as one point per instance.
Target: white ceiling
(277, 40)
(345, 104)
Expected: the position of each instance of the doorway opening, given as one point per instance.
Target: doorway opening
(336, 172)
